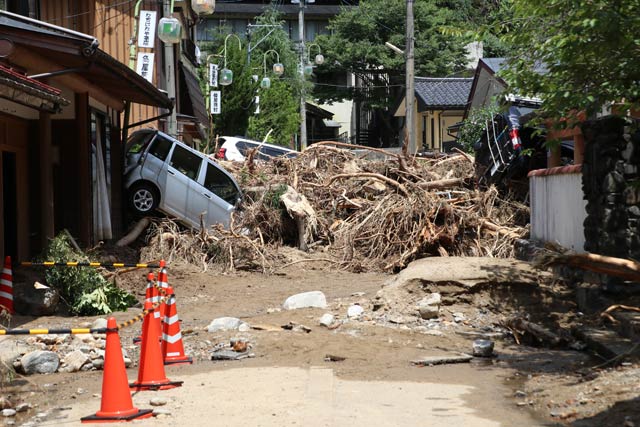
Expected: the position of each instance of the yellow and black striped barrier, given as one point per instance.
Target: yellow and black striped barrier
(72, 331)
(88, 264)
(53, 331)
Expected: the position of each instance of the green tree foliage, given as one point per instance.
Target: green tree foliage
(238, 107)
(576, 55)
(85, 290)
(357, 42)
(278, 112)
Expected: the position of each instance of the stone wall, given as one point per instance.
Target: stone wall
(611, 186)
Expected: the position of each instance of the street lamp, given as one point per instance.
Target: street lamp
(226, 75)
(278, 69)
(203, 7)
(169, 30)
(319, 59)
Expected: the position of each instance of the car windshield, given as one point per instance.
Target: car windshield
(138, 141)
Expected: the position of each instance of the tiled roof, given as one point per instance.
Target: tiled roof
(444, 93)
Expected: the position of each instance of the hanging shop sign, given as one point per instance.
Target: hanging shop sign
(147, 29)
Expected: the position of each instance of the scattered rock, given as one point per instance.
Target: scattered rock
(40, 362)
(355, 310)
(483, 348)
(244, 327)
(305, 300)
(327, 319)
(520, 393)
(158, 401)
(74, 361)
(334, 358)
(458, 317)
(8, 412)
(161, 412)
(225, 324)
(429, 306)
(5, 403)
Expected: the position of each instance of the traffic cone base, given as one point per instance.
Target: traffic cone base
(151, 375)
(97, 418)
(184, 360)
(116, 404)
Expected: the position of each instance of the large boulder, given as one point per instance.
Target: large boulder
(40, 362)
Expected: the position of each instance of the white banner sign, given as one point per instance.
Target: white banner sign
(213, 75)
(147, 29)
(144, 67)
(216, 101)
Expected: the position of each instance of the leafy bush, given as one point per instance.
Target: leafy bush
(85, 290)
(474, 125)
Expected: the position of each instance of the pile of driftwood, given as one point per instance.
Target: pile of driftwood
(359, 214)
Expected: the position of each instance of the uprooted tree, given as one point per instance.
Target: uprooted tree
(356, 214)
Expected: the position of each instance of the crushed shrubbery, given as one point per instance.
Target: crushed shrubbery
(84, 289)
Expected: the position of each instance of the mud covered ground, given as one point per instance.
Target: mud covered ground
(521, 385)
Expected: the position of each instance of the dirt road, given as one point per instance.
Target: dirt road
(288, 382)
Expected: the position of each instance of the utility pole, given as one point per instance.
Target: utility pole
(410, 82)
(303, 108)
(170, 74)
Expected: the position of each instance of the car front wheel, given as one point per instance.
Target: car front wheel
(143, 199)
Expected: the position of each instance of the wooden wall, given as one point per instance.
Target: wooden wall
(111, 22)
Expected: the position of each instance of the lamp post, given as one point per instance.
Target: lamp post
(278, 69)
(301, 47)
(226, 75)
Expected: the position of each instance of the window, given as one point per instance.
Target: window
(186, 162)
(138, 141)
(269, 152)
(21, 7)
(220, 184)
(160, 148)
(244, 147)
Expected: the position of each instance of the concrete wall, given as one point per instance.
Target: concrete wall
(558, 210)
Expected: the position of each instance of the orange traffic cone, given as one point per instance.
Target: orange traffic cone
(172, 347)
(6, 286)
(151, 374)
(151, 296)
(116, 404)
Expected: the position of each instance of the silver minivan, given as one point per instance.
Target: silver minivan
(165, 174)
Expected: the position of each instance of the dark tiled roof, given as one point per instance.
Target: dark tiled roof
(442, 93)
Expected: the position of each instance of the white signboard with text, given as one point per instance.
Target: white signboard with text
(213, 75)
(147, 29)
(144, 66)
(216, 101)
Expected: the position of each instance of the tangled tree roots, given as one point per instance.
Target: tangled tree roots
(364, 214)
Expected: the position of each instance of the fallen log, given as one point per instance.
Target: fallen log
(134, 233)
(442, 184)
(500, 230)
(541, 333)
(377, 176)
(618, 267)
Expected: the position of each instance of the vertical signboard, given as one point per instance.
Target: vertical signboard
(215, 101)
(147, 29)
(144, 66)
(213, 75)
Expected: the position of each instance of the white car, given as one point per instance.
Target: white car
(235, 149)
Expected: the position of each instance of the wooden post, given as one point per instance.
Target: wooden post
(46, 179)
